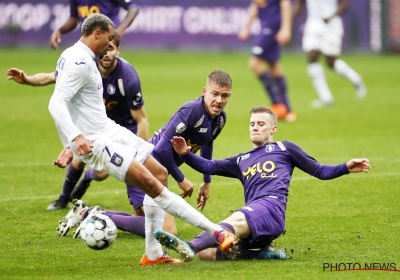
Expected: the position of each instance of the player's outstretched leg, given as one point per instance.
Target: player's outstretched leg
(164, 259)
(170, 241)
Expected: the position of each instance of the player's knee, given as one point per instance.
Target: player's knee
(101, 175)
(330, 61)
(139, 211)
(162, 175)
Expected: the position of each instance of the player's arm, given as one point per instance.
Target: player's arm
(127, 21)
(140, 116)
(342, 6)
(38, 79)
(285, 31)
(224, 167)
(70, 24)
(204, 190)
(298, 7)
(244, 33)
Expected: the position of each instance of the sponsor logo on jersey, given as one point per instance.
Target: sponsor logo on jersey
(264, 169)
(221, 121)
(199, 122)
(203, 129)
(111, 89)
(181, 127)
(138, 98)
(240, 158)
(117, 160)
(269, 148)
(248, 208)
(121, 86)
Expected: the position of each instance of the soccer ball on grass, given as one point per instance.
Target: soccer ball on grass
(98, 231)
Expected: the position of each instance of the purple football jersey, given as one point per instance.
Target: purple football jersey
(193, 123)
(270, 14)
(122, 92)
(81, 9)
(266, 171)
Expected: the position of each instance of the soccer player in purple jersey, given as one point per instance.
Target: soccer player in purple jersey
(198, 122)
(275, 19)
(265, 172)
(81, 9)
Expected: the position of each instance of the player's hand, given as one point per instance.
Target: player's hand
(17, 75)
(64, 158)
(180, 146)
(283, 37)
(244, 34)
(204, 195)
(358, 165)
(55, 39)
(187, 188)
(83, 146)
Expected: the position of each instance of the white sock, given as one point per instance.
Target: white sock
(316, 72)
(343, 69)
(178, 207)
(154, 220)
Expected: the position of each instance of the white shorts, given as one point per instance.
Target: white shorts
(114, 153)
(326, 38)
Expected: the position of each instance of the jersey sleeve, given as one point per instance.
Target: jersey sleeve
(165, 153)
(125, 4)
(308, 164)
(206, 152)
(132, 87)
(225, 167)
(74, 76)
(73, 9)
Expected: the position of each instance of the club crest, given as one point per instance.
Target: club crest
(111, 89)
(269, 148)
(181, 127)
(117, 160)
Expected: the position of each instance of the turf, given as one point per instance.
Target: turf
(353, 219)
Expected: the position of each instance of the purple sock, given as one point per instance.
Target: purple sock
(132, 224)
(282, 85)
(119, 213)
(90, 175)
(271, 87)
(205, 240)
(70, 181)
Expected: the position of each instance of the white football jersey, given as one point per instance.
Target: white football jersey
(320, 9)
(77, 102)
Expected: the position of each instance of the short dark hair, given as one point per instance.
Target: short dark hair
(96, 21)
(220, 78)
(116, 39)
(262, 109)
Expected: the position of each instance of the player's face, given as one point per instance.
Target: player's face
(109, 59)
(261, 129)
(104, 39)
(215, 98)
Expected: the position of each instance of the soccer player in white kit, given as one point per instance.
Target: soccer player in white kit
(323, 33)
(87, 134)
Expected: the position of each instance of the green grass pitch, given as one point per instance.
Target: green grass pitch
(353, 219)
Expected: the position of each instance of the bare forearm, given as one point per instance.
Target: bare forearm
(41, 79)
(286, 14)
(129, 18)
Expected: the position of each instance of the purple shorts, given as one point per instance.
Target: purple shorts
(266, 218)
(135, 196)
(266, 47)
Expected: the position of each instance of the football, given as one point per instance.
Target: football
(98, 231)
